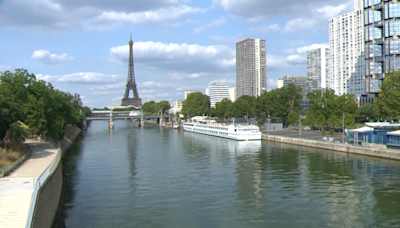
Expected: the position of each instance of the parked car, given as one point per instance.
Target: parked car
(307, 128)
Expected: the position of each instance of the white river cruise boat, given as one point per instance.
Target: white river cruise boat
(207, 126)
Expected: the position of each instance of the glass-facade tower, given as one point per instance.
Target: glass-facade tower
(382, 40)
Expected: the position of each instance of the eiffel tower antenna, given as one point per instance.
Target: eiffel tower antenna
(131, 83)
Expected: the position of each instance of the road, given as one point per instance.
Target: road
(314, 135)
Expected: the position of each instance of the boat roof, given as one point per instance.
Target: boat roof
(363, 129)
(396, 133)
(382, 125)
(202, 118)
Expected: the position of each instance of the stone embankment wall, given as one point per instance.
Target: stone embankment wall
(70, 133)
(48, 197)
(47, 200)
(382, 153)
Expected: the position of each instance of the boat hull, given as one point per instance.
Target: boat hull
(242, 136)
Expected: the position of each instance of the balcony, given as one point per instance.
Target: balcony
(378, 41)
(377, 6)
(379, 58)
(378, 24)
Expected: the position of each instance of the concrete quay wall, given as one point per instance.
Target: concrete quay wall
(48, 199)
(347, 148)
(49, 195)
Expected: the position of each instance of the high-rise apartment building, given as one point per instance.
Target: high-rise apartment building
(217, 91)
(307, 84)
(358, 5)
(382, 43)
(317, 65)
(346, 59)
(187, 92)
(232, 93)
(251, 72)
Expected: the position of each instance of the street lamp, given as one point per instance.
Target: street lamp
(299, 125)
(268, 119)
(343, 128)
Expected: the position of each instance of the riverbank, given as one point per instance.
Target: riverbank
(347, 148)
(31, 193)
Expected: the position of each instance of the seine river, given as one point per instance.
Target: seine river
(158, 177)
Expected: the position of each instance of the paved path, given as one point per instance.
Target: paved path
(314, 135)
(16, 189)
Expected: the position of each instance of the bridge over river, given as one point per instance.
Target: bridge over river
(111, 115)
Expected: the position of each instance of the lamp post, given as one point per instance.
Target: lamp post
(268, 119)
(343, 128)
(299, 125)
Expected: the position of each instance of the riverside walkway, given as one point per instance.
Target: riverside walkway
(16, 189)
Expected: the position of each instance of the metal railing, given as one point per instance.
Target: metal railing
(6, 170)
(38, 182)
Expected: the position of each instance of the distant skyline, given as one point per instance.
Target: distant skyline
(81, 46)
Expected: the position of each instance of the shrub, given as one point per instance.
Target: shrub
(19, 131)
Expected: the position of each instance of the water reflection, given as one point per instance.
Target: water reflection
(158, 177)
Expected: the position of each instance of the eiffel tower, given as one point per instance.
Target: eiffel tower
(131, 84)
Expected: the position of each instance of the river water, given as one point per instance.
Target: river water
(158, 177)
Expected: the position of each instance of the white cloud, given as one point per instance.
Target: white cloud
(255, 10)
(228, 39)
(59, 15)
(153, 84)
(162, 15)
(296, 59)
(179, 75)
(215, 23)
(332, 11)
(272, 84)
(266, 29)
(311, 47)
(299, 25)
(92, 77)
(224, 80)
(49, 58)
(276, 62)
(181, 58)
(5, 68)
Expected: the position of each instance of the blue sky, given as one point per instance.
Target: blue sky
(81, 46)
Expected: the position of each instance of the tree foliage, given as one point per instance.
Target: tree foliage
(36, 103)
(196, 104)
(280, 102)
(224, 108)
(152, 107)
(367, 111)
(327, 109)
(19, 131)
(387, 104)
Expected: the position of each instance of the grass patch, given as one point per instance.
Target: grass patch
(13, 153)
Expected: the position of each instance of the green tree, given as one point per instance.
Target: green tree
(196, 104)
(387, 104)
(223, 108)
(367, 111)
(327, 109)
(19, 131)
(86, 111)
(149, 108)
(280, 102)
(293, 118)
(36, 103)
(163, 105)
(249, 99)
(8, 114)
(241, 108)
(323, 104)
